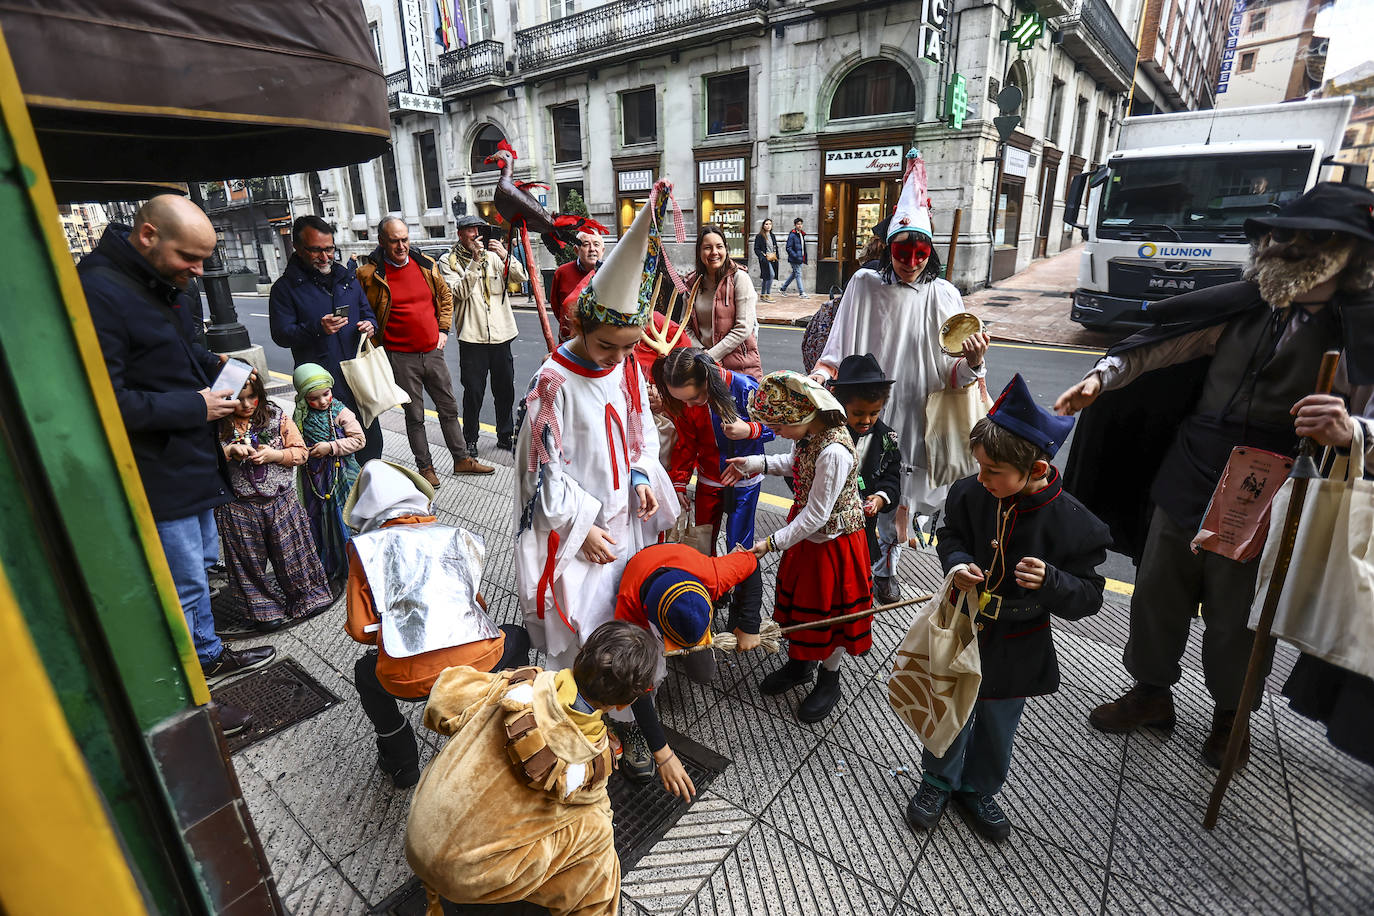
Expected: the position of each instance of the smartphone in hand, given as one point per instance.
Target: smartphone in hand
(233, 375)
(341, 311)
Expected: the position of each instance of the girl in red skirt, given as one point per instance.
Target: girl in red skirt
(825, 569)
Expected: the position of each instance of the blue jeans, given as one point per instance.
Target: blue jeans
(768, 272)
(980, 756)
(796, 275)
(192, 545)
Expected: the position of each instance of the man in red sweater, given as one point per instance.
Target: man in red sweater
(414, 309)
(571, 277)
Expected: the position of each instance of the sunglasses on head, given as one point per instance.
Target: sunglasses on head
(1283, 235)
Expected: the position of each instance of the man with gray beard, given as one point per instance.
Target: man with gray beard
(1242, 376)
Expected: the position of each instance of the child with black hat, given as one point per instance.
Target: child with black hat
(1029, 550)
(862, 390)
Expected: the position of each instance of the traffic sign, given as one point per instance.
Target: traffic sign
(1005, 125)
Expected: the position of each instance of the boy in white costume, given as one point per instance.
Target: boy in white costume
(590, 489)
(895, 313)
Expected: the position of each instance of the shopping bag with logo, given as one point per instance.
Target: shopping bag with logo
(935, 680)
(950, 415)
(1327, 605)
(373, 385)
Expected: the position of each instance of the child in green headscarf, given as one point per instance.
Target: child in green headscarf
(332, 434)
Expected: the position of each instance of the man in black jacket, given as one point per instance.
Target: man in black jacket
(133, 282)
(1175, 400)
(317, 308)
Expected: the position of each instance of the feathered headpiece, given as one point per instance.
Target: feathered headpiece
(913, 206)
(621, 292)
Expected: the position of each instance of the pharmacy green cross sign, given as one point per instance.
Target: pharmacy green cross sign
(1026, 32)
(956, 101)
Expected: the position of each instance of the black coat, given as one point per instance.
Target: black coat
(881, 470)
(300, 298)
(767, 269)
(1017, 648)
(144, 328)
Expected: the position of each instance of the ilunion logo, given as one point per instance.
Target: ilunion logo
(1147, 250)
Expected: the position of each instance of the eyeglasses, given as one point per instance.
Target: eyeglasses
(320, 249)
(1283, 235)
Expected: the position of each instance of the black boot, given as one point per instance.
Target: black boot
(822, 698)
(785, 678)
(399, 757)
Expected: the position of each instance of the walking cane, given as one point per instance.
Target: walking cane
(1304, 469)
(770, 636)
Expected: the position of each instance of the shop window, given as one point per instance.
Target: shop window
(567, 133)
(389, 185)
(639, 117)
(429, 170)
(484, 145)
(877, 87)
(727, 103)
(355, 187)
(1247, 62)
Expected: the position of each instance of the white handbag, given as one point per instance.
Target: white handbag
(1327, 605)
(938, 671)
(370, 379)
(950, 415)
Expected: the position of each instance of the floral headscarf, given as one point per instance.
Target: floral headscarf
(787, 398)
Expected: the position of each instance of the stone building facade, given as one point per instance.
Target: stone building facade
(754, 109)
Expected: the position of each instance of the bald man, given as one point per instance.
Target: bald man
(134, 282)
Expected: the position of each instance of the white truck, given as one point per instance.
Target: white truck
(1166, 213)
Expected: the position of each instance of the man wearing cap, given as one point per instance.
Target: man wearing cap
(1171, 403)
(414, 309)
(671, 590)
(412, 593)
(485, 325)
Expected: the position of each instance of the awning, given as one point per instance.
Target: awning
(150, 90)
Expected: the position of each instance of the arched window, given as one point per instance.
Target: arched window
(483, 145)
(877, 87)
(1018, 76)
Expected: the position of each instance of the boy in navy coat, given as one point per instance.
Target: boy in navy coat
(1028, 550)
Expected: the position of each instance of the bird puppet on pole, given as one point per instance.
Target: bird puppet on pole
(523, 212)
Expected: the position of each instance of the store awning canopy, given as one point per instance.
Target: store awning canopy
(157, 90)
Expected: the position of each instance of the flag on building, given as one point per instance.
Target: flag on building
(449, 31)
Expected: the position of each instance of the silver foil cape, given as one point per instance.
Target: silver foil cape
(424, 581)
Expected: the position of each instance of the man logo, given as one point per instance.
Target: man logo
(1147, 250)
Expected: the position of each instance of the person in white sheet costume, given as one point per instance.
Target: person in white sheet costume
(895, 313)
(590, 488)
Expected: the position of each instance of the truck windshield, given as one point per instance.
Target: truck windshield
(1196, 198)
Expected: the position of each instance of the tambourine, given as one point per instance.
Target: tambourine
(958, 329)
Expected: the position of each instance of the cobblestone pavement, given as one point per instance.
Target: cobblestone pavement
(808, 818)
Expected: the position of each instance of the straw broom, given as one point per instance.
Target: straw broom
(770, 634)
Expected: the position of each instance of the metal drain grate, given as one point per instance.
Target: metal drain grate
(642, 815)
(278, 696)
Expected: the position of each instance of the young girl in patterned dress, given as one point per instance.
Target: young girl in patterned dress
(332, 435)
(825, 566)
(265, 521)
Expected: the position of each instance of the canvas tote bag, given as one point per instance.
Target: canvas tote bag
(374, 386)
(697, 537)
(936, 677)
(950, 415)
(1327, 605)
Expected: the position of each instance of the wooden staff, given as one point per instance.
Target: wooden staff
(537, 287)
(726, 642)
(1304, 469)
(953, 243)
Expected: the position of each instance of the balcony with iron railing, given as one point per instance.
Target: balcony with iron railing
(265, 191)
(627, 29)
(399, 81)
(1095, 38)
(480, 65)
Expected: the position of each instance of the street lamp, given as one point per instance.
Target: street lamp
(257, 239)
(226, 333)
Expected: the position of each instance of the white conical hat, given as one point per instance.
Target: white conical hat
(621, 291)
(913, 206)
